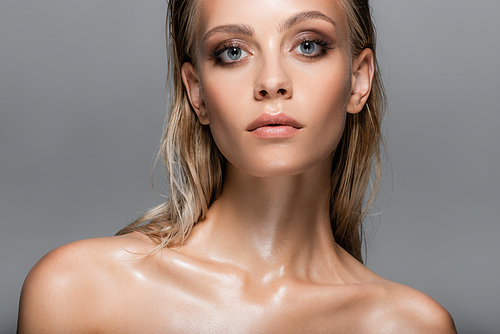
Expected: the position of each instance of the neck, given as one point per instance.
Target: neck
(277, 225)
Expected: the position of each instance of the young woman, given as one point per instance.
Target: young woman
(272, 134)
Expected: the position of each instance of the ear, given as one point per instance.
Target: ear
(363, 68)
(192, 84)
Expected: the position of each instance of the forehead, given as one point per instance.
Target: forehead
(265, 14)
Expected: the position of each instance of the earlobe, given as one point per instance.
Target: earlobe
(362, 77)
(191, 82)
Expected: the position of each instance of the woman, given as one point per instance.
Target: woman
(273, 130)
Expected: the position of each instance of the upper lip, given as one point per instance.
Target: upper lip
(276, 119)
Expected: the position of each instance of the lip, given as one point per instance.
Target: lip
(276, 120)
(275, 126)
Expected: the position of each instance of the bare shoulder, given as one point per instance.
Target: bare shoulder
(401, 309)
(61, 291)
(383, 306)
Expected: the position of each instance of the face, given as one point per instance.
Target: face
(274, 81)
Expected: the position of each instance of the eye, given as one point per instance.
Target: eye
(307, 47)
(313, 48)
(232, 54)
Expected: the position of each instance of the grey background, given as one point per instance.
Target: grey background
(82, 106)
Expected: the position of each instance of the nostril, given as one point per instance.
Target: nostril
(282, 91)
(263, 93)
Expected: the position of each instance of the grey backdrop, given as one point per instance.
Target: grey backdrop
(82, 105)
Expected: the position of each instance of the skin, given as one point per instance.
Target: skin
(264, 259)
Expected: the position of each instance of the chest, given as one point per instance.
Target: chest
(203, 310)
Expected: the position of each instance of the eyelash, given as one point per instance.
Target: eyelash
(215, 54)
(322, 43)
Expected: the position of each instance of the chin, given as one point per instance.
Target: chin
(275, 168)
(275, 172)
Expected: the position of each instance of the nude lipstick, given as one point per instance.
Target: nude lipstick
(279, 126)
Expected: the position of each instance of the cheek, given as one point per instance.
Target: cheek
(223, 91)
(222, 97)
(325, 98)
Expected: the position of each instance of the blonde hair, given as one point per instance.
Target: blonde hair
(196, 167)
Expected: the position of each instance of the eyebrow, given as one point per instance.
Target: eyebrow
(304, 16)
(241, 29)
(244, 29)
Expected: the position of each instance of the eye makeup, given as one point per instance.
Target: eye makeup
(319, 45)
(309, 47)
(220, 56)
(309, 40)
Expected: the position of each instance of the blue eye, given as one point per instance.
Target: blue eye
(232, 54)
(307, 47)
(313, 48)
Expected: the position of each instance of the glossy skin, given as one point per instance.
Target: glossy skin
(264, 259)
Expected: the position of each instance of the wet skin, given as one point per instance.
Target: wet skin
(264, 259)
(95, 286)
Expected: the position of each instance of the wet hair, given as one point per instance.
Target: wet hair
(196, 167)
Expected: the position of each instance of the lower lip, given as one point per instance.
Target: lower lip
(281, 131)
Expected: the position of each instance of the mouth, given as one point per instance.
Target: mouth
(274, 121)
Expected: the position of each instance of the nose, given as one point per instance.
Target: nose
(272, 82)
